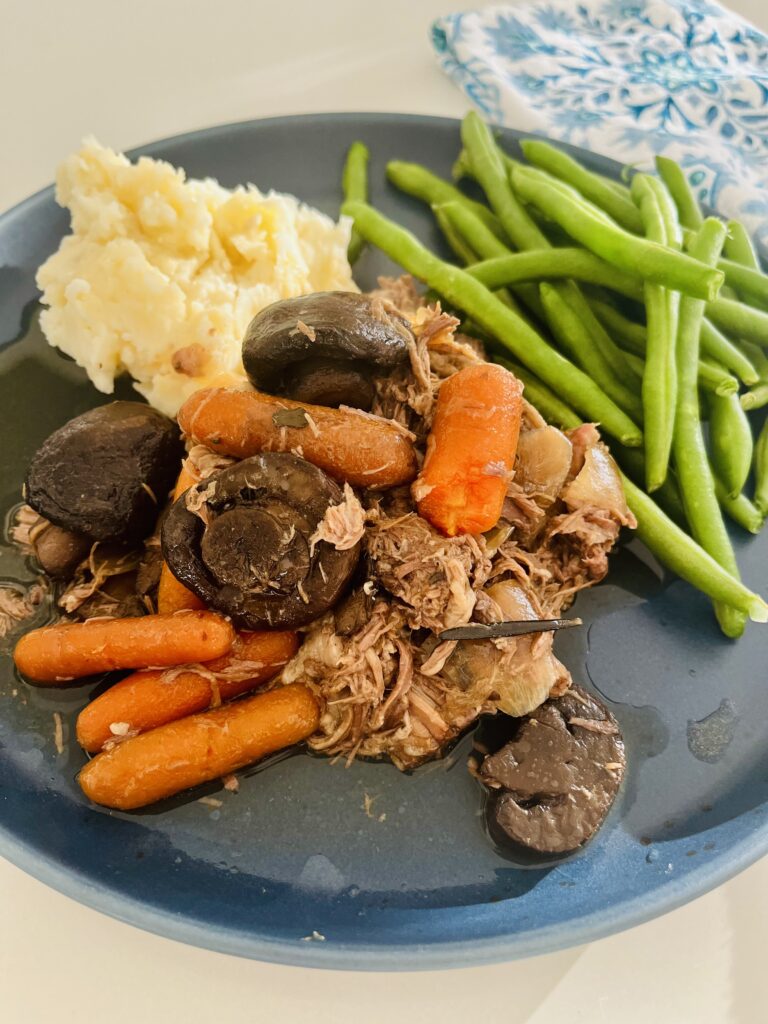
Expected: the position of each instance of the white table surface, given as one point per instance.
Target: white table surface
(137, 71)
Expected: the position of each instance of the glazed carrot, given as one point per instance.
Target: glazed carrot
(182, 754)
(173, 596)
(352, 446)
(186, 479)
(57, 654)
(146, 700)
(470, 450)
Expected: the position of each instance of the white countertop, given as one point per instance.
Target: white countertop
(133, 72)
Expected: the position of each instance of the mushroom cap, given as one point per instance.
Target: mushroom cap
(556, 779)
(106, 474)
(241, 541)
(325, 347)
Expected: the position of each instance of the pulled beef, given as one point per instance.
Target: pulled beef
(388, 687)
(408, 394)
(377, 700)
(17, 606)
(435, 577)
(104, 585)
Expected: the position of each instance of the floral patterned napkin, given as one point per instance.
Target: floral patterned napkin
(627, 78)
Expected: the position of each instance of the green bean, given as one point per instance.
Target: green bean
(761, 471)
(682, 555)
(609, 350)
(731, 442)
(632, 338)
(536, 264)
(566, 190)
(483, 242)
(489, 170)
(637, 363)
(464, 292)
(630, 335)
(757, 357)
(544, 399)
(739, 247)
(456, 241)
(584, 222)
(632, 461)
(571, 334)
(751, 284)
(592, 186)
(555, 234)
(672, 229)
(697, 483)
(740, 509)
(687, 205)
(739, 320)
(354, 185)
(716, 346)
(531, 263)
(713, 377)
(465, 254)
(462, 167)
(659, 391)
(604, 352)
(755, 398)
(421, 183)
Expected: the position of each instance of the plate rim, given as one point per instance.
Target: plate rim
(432, 953)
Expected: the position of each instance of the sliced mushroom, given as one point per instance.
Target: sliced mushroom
(554, 782)
(242, 540)
(106, 473)
(324, 348)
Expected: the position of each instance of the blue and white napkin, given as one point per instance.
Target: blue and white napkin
(627, 78)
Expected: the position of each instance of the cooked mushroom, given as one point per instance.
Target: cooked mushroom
(555, 780)
(105, 473)
(324, 348)
(244, 541)
(58, 551)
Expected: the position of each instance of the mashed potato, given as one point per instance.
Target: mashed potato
(161, 276)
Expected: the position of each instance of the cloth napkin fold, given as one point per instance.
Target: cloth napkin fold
(627, 78)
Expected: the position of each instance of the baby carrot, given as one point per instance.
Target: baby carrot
(186, 480)
(57, 654)
(173, 596)
(471, 450)
(146, 700)
(352, 446)
(182, 754)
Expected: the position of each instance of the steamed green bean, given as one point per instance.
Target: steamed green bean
(697, 484)
(652, 261)
(464, 292)
(593, 187)
(674, 178)
(354, 185)
(421, 183)
(731, 442)
(572, 335)
(659, 391)
(761, 471)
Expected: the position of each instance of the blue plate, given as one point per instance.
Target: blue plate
(363, 867)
